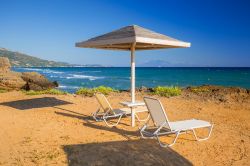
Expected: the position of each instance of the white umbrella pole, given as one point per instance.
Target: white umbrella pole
(133, 83)
(133, 73)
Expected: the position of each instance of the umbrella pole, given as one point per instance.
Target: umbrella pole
(133, 83)
(133, 73)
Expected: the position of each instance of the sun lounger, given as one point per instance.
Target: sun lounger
(162, 126)
(106, 112)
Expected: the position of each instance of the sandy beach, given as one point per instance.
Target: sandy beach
(59, 130)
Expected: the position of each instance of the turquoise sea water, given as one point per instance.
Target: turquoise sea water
(71, 78)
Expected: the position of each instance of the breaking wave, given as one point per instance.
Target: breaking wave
(77, 76)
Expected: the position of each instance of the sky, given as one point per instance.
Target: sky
(219, 30)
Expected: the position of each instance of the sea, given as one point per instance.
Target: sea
(72, 78)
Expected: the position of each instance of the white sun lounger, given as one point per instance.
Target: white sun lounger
(162, 126)
(106, 112)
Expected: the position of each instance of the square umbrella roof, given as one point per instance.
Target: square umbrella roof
(122, 39)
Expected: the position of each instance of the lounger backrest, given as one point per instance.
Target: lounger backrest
(156, 111)
(103, 102)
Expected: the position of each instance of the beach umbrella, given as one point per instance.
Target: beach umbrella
(132, 38)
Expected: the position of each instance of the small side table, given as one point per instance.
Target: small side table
(132, 105)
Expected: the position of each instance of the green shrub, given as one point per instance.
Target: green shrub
(49, 91)
(85, 92)
(56, 92)
(91, 91)
(3, 90)
(167, 91)
(104, 89)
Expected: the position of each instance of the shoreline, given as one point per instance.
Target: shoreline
(72, 78)
(203, 92)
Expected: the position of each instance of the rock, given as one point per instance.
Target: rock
(11, 80)
(28, 80)
(144, 89)
(4, 65)
(36, 81)
(218, 93)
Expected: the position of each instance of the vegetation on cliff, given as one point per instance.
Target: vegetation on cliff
(23, 60)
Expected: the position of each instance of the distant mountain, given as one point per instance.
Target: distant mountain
(162, 63)
(92, 65)
(18, 59)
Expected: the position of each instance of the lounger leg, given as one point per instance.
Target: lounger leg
(205, 138)
(167, 145)
(132, 117)
(112, 125)
(95, 116)
(145, 134)
(141, 120)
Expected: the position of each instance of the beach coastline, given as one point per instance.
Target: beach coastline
(72, 78)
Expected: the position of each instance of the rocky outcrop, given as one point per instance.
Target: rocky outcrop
(220, 94)
(36, 81)
(217, 93)
(27, 80)
(11, 80)
(4, 65)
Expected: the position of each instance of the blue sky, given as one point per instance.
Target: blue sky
(218, 30)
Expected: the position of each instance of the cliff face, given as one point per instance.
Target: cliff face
(10, 80)
(18, 59)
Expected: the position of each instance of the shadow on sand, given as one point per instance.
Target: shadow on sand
(74, 115)
(136, 152)
(35, 103)
(90, 122)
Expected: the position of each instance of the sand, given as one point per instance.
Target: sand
(59, 130)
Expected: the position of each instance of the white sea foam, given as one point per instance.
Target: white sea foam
(53, 76)
(77, 76)
(68, 87)
(52, 71)
(62, 86)
(43, 70)
(32, 69)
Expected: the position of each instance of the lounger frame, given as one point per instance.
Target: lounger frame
(105, 112)
(160, 130)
